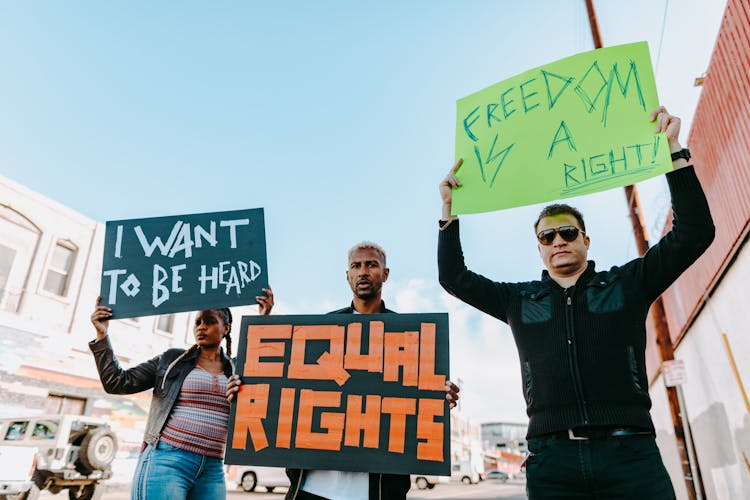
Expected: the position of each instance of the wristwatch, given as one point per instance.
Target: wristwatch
(683, 153)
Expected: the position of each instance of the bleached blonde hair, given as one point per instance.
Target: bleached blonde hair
(367, 245)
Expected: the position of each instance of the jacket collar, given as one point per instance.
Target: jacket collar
(583, 278)
(383, 309)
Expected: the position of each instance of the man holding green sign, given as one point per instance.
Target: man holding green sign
(581, 338)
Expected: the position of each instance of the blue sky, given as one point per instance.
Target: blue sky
(337, 117)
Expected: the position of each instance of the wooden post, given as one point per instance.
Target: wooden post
(736, 372)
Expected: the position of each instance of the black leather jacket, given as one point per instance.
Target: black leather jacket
(163, 373)
(382, 486)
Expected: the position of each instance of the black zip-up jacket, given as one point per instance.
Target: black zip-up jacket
(382, 486)
(164, 374)
(582, 349)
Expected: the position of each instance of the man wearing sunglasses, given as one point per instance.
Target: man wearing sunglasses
(581, 340)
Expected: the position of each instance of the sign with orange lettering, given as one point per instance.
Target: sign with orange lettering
(362, 392)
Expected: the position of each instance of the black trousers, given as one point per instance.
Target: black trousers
(303, 495)
(624, 467)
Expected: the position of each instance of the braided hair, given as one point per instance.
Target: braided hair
(187, 353)
(226, 314)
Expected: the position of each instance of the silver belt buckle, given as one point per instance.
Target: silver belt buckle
(573, 437)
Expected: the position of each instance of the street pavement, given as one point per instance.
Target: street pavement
(485, 490)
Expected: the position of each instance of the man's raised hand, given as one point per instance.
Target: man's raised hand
(446, 187)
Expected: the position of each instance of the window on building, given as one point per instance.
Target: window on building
(62, 404)
(189, 335)
(20, 237)
(7, 256)
(165, 323)
(61, 265)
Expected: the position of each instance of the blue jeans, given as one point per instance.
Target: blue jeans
(168, 473)
(623, 467)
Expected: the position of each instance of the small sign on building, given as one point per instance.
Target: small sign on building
(674, 372)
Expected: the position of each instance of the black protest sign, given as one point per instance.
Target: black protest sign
(343, 392)
(164, 265)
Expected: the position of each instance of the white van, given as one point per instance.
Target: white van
(465, 473)
(424, 482)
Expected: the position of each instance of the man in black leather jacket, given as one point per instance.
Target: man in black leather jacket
(581, 340)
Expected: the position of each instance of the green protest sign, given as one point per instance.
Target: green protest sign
(575, 126)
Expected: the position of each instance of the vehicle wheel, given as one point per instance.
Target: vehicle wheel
(466, 480)
(98, 449)
(270, 489)
(249, 481)
(422, 483)
(91, 491)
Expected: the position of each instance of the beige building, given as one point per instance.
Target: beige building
(50, 268)
(466, 443)
(504, 445)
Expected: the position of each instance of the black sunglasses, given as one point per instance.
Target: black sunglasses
(568, 233)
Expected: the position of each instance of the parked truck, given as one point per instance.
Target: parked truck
(63, 452)
(17, 466)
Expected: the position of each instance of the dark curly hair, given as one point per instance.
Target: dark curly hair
(560, 209)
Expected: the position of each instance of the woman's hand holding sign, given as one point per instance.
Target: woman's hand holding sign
(233, 385)
(100, 319)
(265, 302)
(451, 393)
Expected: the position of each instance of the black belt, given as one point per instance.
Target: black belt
(586, 433)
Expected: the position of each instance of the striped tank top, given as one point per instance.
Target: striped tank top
(200, 417)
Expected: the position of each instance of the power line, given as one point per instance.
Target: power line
(661, 38)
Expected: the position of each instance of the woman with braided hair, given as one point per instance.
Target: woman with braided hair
(186, 430)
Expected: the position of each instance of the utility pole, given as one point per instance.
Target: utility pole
(663, 339)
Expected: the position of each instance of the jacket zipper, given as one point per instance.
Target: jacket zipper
(299, 484)
(573, 358)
